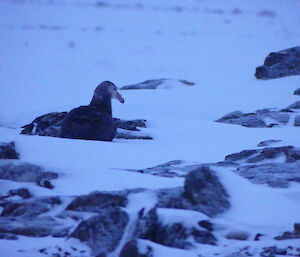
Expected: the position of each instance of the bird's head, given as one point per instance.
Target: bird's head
(106, 90)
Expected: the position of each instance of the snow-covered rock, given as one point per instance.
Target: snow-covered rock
(280, 64)
(159, 84)
(103, 232)
(263, 118)
(16, 170)
(8, 151)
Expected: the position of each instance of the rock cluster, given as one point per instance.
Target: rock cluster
(274, 166)
(264, 118)
(280, 64)
(102, 220)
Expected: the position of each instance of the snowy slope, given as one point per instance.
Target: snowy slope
(54, 53)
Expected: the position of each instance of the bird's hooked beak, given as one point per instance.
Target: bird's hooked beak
(119, 97)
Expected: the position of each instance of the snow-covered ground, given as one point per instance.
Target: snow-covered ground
(54, 53)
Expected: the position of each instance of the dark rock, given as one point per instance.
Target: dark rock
(250, 121)
(272, 251)
(268, 142)
(295, 105)
(288, 235)
(280, 64)
(8, 237)
(230, 116)
(238, 235)
(131, 249)
(272, 174)
(132, 125)
(97, 201)
(8, 151)
(297, 121)
(176, 168)
(25, 172)
(46, 125)
(103, 232)
(158, 83)
(259, 118)
(172, 235)
(253, 156)
(32, 227)
(240, 156)
(297, 91)
(30, 208)
(127, 135)
(206, 224)
(203, 190)
(23, 192)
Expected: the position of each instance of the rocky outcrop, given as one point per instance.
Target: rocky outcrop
(274, 166)
(176, 168)
(159, 84)
(280, 64)
(24, 218)
(175, 235)
(297, 91)
(268, 142)
(263, 118)
(8, 151)
(30, 208)
(203, 189)
(50, 124)
(103, 232)
(97, 201)
(26, 172)
(132, 249)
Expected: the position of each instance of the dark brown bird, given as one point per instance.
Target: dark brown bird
(93, 121)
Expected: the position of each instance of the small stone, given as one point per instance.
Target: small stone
(238, 235)
(297, 91)
(8, 151)
(297, 121)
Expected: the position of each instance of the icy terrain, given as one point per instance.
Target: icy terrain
(54, 53)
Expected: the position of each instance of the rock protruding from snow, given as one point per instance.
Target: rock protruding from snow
(275, 166)
(132, 249)
(25, 172)
(159, 84)
(8, 151)
(50, 125)
(29, 218)
(46, 125)
(203, 188)
(97, 201)
(174, 234)
(202, 192)
(176, 168)
(297, 91)
(103, 232)
(30, 208)
(295, 105)
(268, 142)
(280, 64)
(263, 118)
